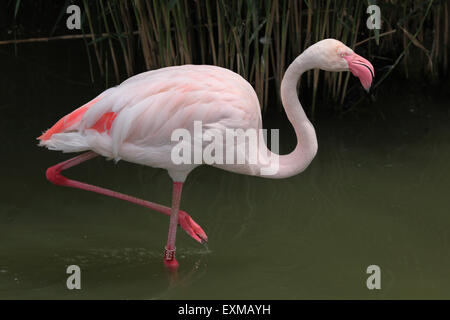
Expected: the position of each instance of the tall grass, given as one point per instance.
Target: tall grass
(259, 38)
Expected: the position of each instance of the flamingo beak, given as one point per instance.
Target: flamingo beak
(362, 69)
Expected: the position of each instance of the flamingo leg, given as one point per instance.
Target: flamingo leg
(54, 175)
(169, 252)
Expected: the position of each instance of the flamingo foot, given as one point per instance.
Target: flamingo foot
(171, 264)
(169, 259)
(191, 227)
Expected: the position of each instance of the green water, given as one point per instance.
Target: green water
(377, 193)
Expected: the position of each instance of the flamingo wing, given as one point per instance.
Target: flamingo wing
(143, 111)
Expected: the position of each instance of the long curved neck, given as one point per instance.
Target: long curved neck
(296, 161)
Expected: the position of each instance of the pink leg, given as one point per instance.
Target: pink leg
(169, 253)
(54, 175)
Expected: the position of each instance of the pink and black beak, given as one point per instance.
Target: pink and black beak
(362, 69)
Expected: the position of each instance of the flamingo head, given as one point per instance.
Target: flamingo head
(333, 55)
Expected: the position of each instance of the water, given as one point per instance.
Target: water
(377, 193)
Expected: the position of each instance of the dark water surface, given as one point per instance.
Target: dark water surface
(377, 193)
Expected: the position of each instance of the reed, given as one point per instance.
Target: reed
(259, 38)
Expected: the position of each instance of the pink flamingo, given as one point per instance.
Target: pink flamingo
(135, 120)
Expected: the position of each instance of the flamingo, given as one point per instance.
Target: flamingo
(134, 122)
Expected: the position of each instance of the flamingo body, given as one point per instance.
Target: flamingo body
(135, 120)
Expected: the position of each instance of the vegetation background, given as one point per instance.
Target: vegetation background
(256, 38)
